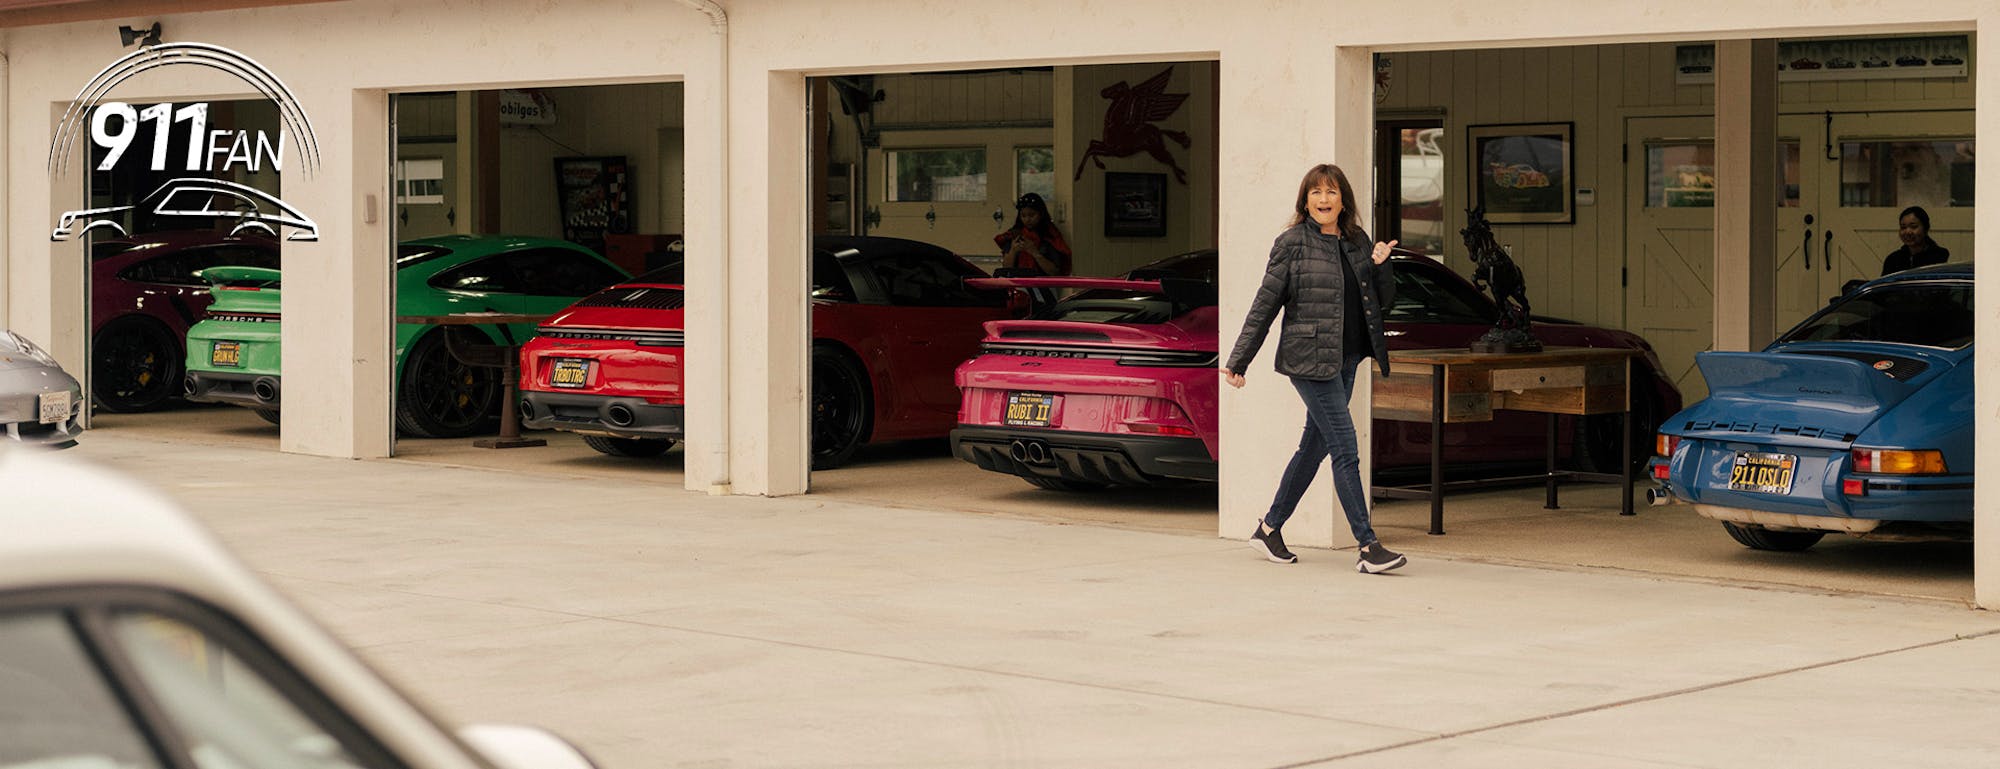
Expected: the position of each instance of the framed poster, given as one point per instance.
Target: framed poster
(595, 195)
(1135, 205)
(1522, 174)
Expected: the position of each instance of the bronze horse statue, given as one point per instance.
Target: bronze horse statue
(1498, 275)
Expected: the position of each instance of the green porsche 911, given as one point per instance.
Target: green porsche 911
(233, 356)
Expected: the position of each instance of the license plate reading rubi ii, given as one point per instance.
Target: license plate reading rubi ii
(569, 372)
(226, 354)
(55, 406)
(1762, 472)
(1029, 409)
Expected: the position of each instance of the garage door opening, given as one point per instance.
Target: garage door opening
(1014, 291)
(1614, 228)
(517, 212)
(185, 212)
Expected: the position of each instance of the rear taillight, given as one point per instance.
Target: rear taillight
(1664, 444)
(1159, 429)
(1660, 471)
(1898, 461)
(1854, 487)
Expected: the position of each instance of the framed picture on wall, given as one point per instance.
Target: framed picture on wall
(1135, 205)
(595, 194)
(1523, 174)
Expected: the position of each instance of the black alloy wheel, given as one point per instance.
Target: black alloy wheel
(442, 396)
(841, 408)
(628, 447)
(135, 365)
(1760, 538)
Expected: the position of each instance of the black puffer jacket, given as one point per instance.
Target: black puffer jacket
(1303, 278)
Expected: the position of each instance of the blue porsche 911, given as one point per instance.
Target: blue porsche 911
(1858, 420)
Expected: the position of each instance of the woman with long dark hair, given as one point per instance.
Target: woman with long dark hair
(1033, 242)
(1334, 286)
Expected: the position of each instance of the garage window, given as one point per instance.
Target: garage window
(1898, 173)
(937, 175)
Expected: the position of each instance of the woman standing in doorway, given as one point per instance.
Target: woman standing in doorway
(1334, 286)
(1914, 228)
(1033, 242)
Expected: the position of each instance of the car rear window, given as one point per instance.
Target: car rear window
(1927, 313)
(1105, 306)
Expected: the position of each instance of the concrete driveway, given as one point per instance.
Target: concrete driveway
(660, 628)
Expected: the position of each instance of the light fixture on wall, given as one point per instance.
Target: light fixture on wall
(144, 37)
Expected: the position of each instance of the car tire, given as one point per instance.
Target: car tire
(1596, 447)
(441, 396)
(1063, 484)
(1760, 538)
(841, 407)
(269, 415)
(135, 365)
(628, 447)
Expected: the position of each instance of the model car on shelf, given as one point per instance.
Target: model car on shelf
(1859, 420)
(233, 356)
(890, 318)
(1118, 384)
(144, 294)
(40, 404)
(129, 638)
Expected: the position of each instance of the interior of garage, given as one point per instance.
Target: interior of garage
(1634, 253)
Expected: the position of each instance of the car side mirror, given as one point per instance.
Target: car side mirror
(523, 747)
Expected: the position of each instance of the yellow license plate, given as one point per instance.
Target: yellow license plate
(569, 372)
(1029, 409)
(1762, 472)
(228, 354)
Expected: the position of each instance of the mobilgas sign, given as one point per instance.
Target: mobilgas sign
(114, 126)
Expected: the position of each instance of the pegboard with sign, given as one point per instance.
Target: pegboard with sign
(596, 198)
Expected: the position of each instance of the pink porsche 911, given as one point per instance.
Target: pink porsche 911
(1117, 384)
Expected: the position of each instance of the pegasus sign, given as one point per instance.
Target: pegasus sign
(114, 126)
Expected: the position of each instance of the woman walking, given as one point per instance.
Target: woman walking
(1334, 286)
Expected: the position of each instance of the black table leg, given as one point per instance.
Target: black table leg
(1625, 457)
(1549, 467)
(1437, 449)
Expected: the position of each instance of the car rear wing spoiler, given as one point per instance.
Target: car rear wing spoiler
(240, 277)
(1183, 291)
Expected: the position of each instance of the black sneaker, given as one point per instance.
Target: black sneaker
(1376, 559)
(1272, 545)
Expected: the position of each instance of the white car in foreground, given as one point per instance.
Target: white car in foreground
(129, 639)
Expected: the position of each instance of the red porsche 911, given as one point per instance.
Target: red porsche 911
(610, 366)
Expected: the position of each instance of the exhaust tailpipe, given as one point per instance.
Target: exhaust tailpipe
(619, 415)
(187, 384)
(527, 410)
(265, 388)
(1657, 497)
(1038, 453)
(1018, 450)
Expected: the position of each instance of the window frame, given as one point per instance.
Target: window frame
(92, 610)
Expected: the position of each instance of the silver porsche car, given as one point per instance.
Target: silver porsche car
(39, 404)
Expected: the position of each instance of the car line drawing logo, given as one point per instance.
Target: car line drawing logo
(254, 211)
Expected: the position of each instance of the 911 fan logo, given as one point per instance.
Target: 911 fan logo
(115, 127)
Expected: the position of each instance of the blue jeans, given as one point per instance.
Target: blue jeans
(1329, 430)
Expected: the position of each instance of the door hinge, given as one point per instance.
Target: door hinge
(1624, 277)
(1624, 153)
